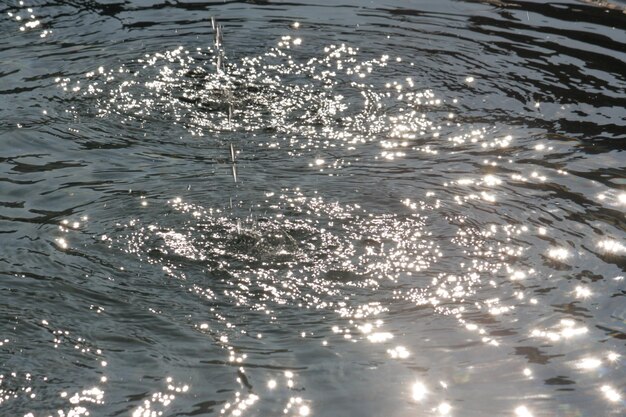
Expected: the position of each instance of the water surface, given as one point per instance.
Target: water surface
(338, 209)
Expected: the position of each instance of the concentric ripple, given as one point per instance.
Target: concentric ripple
(307, 99)
(301, 250)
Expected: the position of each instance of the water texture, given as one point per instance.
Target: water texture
(337, 209)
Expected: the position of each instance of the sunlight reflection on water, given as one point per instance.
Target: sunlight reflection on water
(215, 231)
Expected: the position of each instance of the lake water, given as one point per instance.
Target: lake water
(341, 208)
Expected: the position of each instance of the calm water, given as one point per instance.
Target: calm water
(338, 209)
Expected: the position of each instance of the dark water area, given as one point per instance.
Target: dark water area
(329, 209)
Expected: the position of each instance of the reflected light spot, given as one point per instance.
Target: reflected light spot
(612, 356)
(558, 254)
(582, 292)
(567, 330)
(522, 411)
(610, 393)
(573, 331)
(271, 384)
(305, 410)
(589, 363)
(469, 80)
(517, 275)
(379, 337)
(419, 391)
(399, 352)
(622, 198)
(492, 180)
(444, 409)
(366, 328)
(612, 246)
